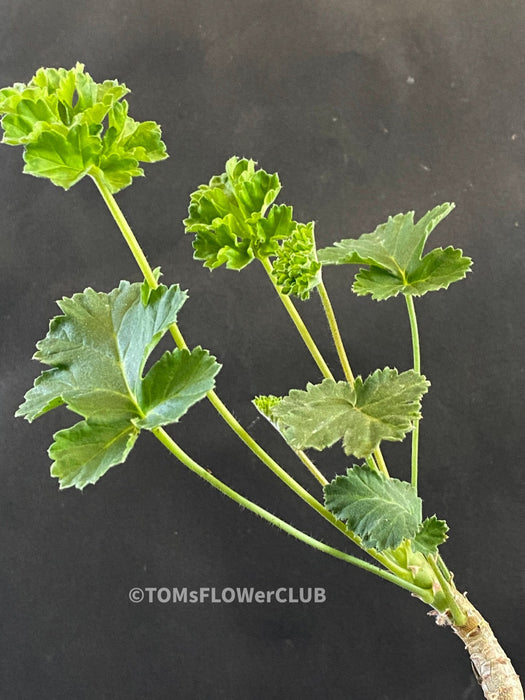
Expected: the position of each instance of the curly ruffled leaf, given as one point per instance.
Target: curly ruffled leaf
(380, 510)
(234, 217)
(70, 126)
(296, 268)
(383, 407)
(97, 351)
(393, 253)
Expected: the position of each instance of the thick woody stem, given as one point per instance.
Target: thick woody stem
(491, 665)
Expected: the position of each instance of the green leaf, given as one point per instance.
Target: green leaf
(431, 534)
(84, 453)
(296, 269)
(221, 246)
(266, 406)
(383, 407)
(234, 217)
(97, 351)
(62, 156)
(382, 511)
(253, 190)
(60, 119)
(174, 384)
(393, 253)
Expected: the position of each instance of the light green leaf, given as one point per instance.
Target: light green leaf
(382, 511)
(393, 253)
(18, 126)
(174, 384)
(266, 406)
(234, 217)
(60, 119)
(97, 351)
(254, 190)
(62, 156)
(383, 407)
(431, 534)
(84, 453)
(221, 246)
(296, 268)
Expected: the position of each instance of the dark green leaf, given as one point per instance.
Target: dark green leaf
(382, 511)
(84, 453)
(393, 253)
(97, 351)
(383, 407)
(174, 383)
(431, 534)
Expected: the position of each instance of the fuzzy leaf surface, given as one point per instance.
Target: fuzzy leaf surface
(431, 534)
(97, 351)
(382, 511)
(383, 407)
(394, 254)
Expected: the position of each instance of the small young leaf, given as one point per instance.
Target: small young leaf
(393, 253)
(97, 351)
(383, 407)
(431, 534)
(266, 406)
(382, 511)
(234, 219)
(254, 190)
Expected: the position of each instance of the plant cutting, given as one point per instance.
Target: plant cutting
(96, 351)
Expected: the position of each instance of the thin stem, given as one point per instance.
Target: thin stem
(311, 467)
(299, 323)
(219, 406)
(417, 368)
(126, 231)
(336, 335)
(183, 457)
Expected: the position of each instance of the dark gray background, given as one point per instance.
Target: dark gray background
(365, 109)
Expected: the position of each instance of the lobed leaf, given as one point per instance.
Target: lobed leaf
(431, 534)
(234, 217)
(97, 351)
(394, 252)
(380, 510)
(70, 126)
(383, 407)
(174, 384)
(85, 452)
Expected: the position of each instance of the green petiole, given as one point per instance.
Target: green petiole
(214, 399)
(417, 368)
(178, 452)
